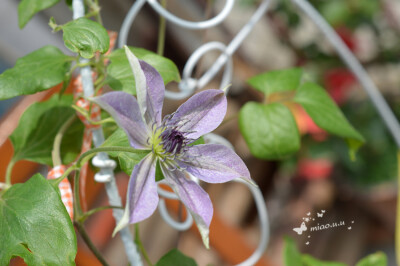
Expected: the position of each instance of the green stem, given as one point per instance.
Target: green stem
(81, 229)
(56, 152)
(140, 245)
(161, 31)
(66, 173)
(92, 14)
(397, 232)
(77, 200)
(107, 149)
(99, 86)
(86, 115)
(94, 10)
(9, 171)
(93, 211)
(80, 65)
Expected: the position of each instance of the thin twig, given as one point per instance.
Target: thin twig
(140, 245)
(89, 243)
(56, 152)
(9, 171)
(92, 152)
(161, 32)
(397, 232)
(93, 211)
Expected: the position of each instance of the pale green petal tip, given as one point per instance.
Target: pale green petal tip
(122, 223)
(129, 54)
(204, 232)
(119, 227)
(206, 241)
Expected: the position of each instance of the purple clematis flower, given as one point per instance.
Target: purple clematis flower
(169, 140)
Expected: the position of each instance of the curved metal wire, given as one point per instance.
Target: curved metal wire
(188, 84)
(130, 17)
(264, 224)
(180, 226)
(190, 24)
(127, 23)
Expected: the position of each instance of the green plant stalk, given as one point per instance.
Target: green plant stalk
(56, 152)
(78, 213)
(66, 173)
(95, 210)
(79, 65)
(107, 149)
(99, 86)
(397, 230)
(140, 245)
(9, 171)
(161, 31)
(77, 201)
(86, 115)
(81, 229)
(94, 10)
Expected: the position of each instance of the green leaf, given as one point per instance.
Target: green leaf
(270, 130)
(120, 75)
(308, 260)
(277, 81)
(127, 160)
(291, 254)
(159, 173)
(376, 259)
(37, 71)
(326, 114)
(85, 36)
(34, 136)
(198, 141)
(68, 3)
(336, 12)
(176, 258)
(71, 144)
(35, 225)
(28, 8)
(293, 257)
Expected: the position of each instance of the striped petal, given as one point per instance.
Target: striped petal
(142, 197)
(201, 113)
(124, 108)
(214, 163)
(195, 199)
(149, 89)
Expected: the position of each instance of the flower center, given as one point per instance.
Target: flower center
(173, 141)
(168, 142)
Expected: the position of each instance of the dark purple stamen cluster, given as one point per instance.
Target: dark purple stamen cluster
(173, 141)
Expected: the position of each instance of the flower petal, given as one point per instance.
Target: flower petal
(149, 89)
(195, 199)
(214, 163)
(142, 190)
(124, 108)
(142, 197)
(201, 113)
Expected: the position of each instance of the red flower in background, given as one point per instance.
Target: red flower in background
(338, 82)
(347, 37)
(318, 168)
